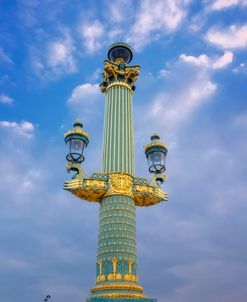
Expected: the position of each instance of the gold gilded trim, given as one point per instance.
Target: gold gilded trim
(121, 295)
(77, 130)
(90, 189)
(100, 278)
(118, 83)
(136, 288)
(156, 144)
(120, 184)
(148, 195)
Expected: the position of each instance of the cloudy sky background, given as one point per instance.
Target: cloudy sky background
(192, 90)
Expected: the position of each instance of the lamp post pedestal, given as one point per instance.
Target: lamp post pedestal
(116, 188)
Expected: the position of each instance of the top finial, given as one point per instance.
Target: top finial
(155, 136)
(120, 51)
(77, 123)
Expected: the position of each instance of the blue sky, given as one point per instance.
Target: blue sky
(192, 90)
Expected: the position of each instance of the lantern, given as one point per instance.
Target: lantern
(156, 154)
(76, 140)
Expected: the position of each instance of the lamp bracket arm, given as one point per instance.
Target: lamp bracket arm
(157, 179)
(78, 169)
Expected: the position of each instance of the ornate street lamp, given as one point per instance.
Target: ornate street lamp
(115, 188)
(156, 154)
(77, 140)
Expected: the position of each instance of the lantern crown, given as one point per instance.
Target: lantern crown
(155, 145)
(120, 52)
(77, 132)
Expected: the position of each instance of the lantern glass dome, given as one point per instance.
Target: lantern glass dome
(156, 162)
(121, 51)
(75, 150)
(76, 140)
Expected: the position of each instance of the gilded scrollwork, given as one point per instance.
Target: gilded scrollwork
(147, 195)
(120, 184)
(89, 189)
(119, 71)
(95, 188)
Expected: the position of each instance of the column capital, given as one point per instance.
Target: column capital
(119, 73)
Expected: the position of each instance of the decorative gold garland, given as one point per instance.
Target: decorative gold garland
(136, 288)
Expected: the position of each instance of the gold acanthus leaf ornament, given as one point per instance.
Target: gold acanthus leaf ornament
(115, 71)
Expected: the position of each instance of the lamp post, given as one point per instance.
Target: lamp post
(116, 188)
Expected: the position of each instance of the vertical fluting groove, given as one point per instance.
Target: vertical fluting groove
(105, 136)
(132, 139)
(127, 131)
(121, 131)
(118, 132)
(114, 131)
(129, 134)
(118, 139)
(108, 125)
(111, 129)
(110, 132)
(104, 140)
(130, 160)
(123, 137)
(106, 133)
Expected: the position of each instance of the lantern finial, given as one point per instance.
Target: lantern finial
(78, 123)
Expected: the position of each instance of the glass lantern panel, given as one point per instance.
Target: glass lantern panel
(157, 157)
(120, 52)
(76, 146)
(75, 152)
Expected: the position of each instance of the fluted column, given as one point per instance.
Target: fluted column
(117, 258)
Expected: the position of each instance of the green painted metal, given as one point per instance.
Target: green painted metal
(118, 145)
(117, 218)
(94, 299)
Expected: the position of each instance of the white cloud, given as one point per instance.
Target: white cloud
(188, 86)
(84, 92)
(92, 34)
(4, 57)
(23, 128)
(173, 107)
(223, 61)
(209, 62)
(202, 60)
(115, 33)
(59, 56)
(5, 99)
(222, 4)
(155, 17)
(234, 37)
(85, 101)
(184, 103)
(56, 59)
(163, 73)
(119, 10)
